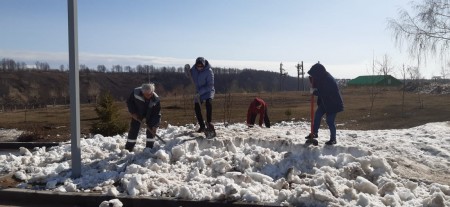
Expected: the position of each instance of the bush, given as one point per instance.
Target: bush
(288, 113)
(109, 119)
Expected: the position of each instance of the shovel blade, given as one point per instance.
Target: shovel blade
(210, 133)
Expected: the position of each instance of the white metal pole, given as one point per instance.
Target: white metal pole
(74, 88)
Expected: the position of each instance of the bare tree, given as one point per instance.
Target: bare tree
(34, 97)
(403, 72)
(14, 98)
(101, 68)
(128, 69)
(84, 67)
(425, 31)
(414, 74)
(64, 94)
(38, 65)
(445, 72)
(8, 64)
(45, 66)
(117, 68)
(21, 65)
(140, 69)
(42, 65)
(373, 89)
(227, 106)
(2, 103)
(385, 65)
(93, 91)
(53, 96)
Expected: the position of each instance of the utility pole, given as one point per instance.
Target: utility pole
(302, 73)
(282, 73)
(74, 87)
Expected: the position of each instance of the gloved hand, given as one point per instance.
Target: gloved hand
(135, 117)
(197, 97)
(153, 130)
(312, 90)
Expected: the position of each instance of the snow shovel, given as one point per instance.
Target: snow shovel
(311, 139)
(210, 132)
(149, 129)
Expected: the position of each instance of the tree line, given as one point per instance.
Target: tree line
(9, 64)
(31, 88)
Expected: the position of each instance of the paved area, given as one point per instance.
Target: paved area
(44, 205)
(34, 198)
(8, 151)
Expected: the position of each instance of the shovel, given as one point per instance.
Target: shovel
(149, 129)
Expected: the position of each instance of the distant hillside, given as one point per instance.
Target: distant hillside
(36, 87)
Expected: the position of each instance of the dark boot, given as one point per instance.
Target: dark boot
(311, 136)
(129, 146)
(331, 142)
(210, 126)
(201, 129)
(210, 132)
(199, 116)
(149, 143)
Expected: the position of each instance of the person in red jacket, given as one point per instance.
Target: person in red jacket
(257, 106)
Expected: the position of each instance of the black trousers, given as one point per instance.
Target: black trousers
(135, 126)
(266, 119)
(198, 112)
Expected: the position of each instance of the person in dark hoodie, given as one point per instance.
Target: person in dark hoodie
(329, 100)
(258, 106)
(203, 78)
(142, 103)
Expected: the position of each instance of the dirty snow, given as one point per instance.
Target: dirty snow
(254, 165)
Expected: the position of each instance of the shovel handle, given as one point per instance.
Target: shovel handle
(312, 109)
(187, 72)
(149, 129)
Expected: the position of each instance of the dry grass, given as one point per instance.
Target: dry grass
(178, 110)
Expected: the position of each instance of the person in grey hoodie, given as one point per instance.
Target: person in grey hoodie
(329, 100)
(203, 78)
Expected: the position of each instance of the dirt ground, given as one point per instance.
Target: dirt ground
(7, 181)
(418, 172)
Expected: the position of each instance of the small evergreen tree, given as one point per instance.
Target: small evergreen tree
(108, 114)
(288, 113)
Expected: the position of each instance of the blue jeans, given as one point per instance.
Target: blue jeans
(330, 122)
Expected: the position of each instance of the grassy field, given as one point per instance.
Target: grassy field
(388, 112)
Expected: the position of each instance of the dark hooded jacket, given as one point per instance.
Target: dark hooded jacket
(150, 109)
(204, 81)
(329, 97)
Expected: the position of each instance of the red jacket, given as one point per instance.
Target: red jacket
(252, 110)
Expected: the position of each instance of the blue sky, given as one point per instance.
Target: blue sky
(344, 35)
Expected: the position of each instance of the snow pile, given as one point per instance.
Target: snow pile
(256, 165)
(111, 203)
(7, 135)
(428, 87)
(436, 88)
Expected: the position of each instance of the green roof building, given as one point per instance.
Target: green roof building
(374, 80)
